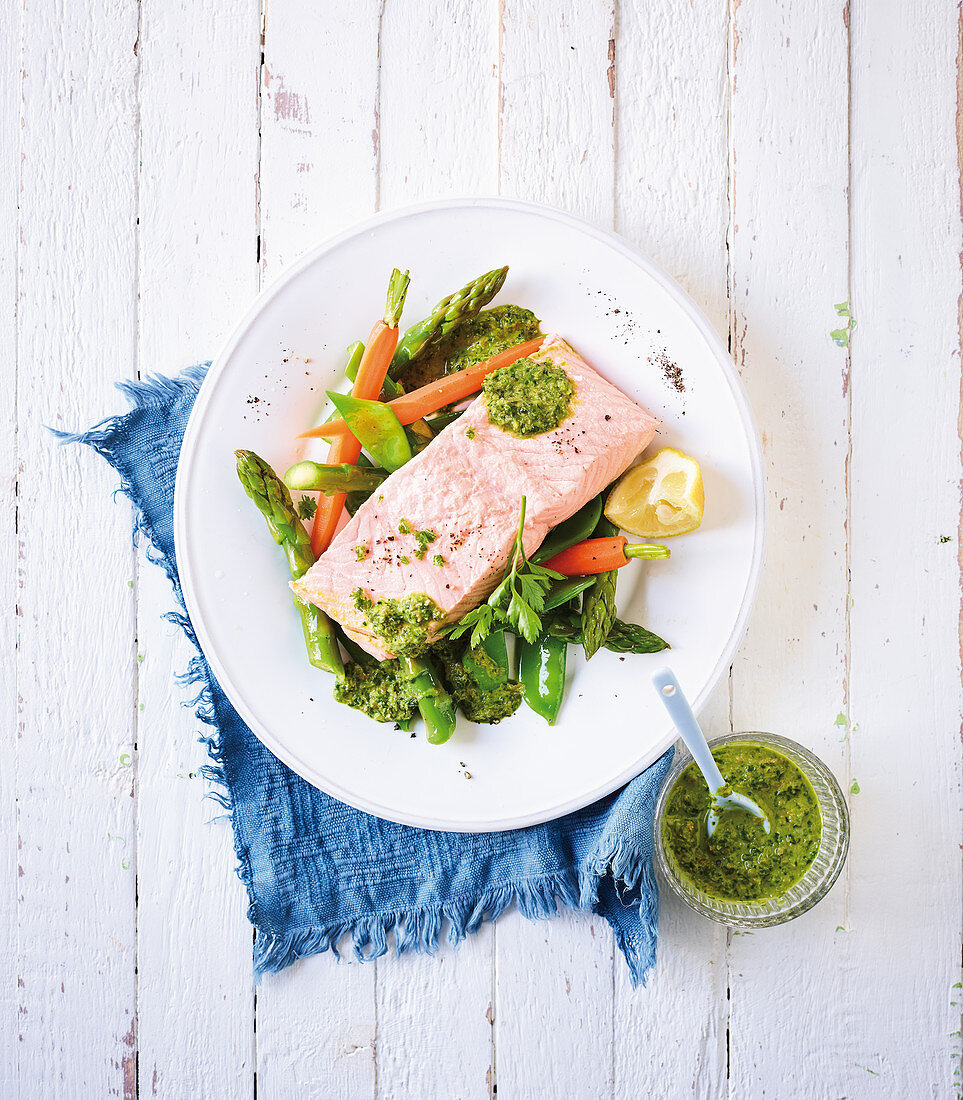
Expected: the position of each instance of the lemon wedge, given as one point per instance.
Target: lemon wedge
(660, 498)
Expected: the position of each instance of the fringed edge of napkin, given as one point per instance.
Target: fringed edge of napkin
(420, 930)
(623, 868)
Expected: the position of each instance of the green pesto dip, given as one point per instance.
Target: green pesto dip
(481, 690)
(473, 341)
(403, 625)
(741, 862)
(528, 397)
(381, 690)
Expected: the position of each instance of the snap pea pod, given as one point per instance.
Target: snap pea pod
(318, 477)
(496, 647)
(575, 529)
(376, 427)
(541, 672)
(273, 501)
(564, 590)
(434, 703)
(598, 603)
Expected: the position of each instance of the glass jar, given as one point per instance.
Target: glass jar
(819, 876)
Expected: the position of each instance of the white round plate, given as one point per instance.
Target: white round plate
(628, 319)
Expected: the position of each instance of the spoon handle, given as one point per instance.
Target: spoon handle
(688, 728)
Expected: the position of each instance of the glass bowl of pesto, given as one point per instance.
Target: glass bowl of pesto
(744, 877)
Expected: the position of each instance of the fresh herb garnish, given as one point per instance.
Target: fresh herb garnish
(362, 601)
(438, 560)
(307, 506)
(470, 432)
(517, 602)
(404, 559)
(404, 527)
(361, 551)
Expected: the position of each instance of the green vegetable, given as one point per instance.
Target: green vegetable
(576, 528)
(274, 502)
(463, 303)
(562, 591)
(355, 352)
(598, 603)
(518, 600)
(375, 425)
(541, 672)
(478, 678)
(442, 420)
(527, 397)
(434, 702)
(741, 862)
(622, 638)
(632, 638)
(343, 478)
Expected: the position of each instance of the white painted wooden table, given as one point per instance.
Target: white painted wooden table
(163, 159)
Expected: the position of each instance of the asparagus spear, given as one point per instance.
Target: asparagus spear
(274, 502)
(598, 603)
(622, 638)
(318, 477)
(459, 306)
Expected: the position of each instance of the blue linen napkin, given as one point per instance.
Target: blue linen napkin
(317, 871)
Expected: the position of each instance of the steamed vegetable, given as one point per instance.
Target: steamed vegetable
(436, 395)
(459, 306)
(317, 477)
(376, 428)
(372, 371)
(541, 671)
(274, 502)
(602, 555)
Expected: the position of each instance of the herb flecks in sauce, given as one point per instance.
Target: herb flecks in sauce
(361, 551)
(741, 862)
(380, 690)
(498, 699)
(528, 398)
(403, 625)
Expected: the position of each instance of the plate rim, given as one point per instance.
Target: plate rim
(204, 396)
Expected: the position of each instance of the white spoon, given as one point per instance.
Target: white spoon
(688, 728)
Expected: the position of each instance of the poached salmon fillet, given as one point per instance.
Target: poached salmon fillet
(444, 525)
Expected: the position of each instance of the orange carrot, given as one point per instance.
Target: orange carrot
(600, 556)
(436, 395)
(368, 383)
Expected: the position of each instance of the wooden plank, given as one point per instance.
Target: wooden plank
(76, 1034)
(435, 1019)
(316, 1023)
(789, 265)
(672, 203)
(197, 273)
(9, 597)
(554, 979)
(902, 947)
(438, 101)
(438, 137)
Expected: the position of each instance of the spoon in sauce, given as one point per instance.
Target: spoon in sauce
(723, 796)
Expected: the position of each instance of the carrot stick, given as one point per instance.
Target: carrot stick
(372, 371)
(600, 556)
(436, 395)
